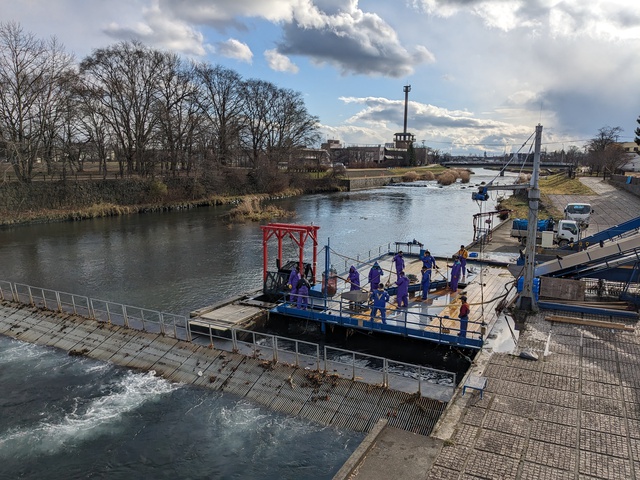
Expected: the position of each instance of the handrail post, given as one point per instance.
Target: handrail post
(161, 323)
(58, 300)
(30, 296)
(275, 350)
(142, 320)
(73, 303)
(92, 312)
(385, 373)
(125, 316)
(108, 312)
(353, 365)
(234, 339)
(325, 358)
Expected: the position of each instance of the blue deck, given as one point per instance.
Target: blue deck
(403, 322)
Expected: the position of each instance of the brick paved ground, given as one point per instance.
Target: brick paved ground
(573, 414)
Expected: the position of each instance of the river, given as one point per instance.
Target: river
(65, 417)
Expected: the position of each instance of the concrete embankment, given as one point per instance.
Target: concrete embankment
(321, 397)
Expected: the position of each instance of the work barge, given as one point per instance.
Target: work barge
(333, 303)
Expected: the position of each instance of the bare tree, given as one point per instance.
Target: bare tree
(178, 113)
(124, 80)
(602, 152)
(221, 100)
(32, 97)
(258, 96)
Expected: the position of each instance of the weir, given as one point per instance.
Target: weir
(330, 392)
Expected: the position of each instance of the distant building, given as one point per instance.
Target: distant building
(631, 150)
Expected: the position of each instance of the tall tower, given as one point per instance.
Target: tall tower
(404, 139)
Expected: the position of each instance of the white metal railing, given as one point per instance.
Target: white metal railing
(354, 365)
(340, 311)
(388, 373)
(137, 318)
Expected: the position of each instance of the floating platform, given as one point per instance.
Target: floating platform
(436, 319)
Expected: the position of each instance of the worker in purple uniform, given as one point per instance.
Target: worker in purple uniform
(402, 298)
(379, 297)
(398, 261)
(456, 269)
(425, 282)
(374, 276)
(428, 262)
(354, 279)
(294, 278)
(303, 293)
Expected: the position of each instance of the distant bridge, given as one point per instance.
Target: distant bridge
(501, 163)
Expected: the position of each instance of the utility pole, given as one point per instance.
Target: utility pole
(527, 301)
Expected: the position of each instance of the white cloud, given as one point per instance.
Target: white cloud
(233, 48)
(158, 30)
(279, 62)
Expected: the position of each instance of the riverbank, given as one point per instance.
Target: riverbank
(101, 210)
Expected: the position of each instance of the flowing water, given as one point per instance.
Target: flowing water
(65, 417)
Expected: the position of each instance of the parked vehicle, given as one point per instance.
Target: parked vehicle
(580, 212)
(563, 232)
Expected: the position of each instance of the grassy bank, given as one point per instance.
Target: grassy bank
(557, 184)
(111, 210)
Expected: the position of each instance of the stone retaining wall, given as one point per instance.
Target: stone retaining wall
(363, 183)
(19, 197)
(627, 182)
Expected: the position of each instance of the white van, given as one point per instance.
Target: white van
(580, 212)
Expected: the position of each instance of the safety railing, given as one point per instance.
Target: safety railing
(407, 322)
(137, 318)
(260, 345)
(392, 374)
(367, 257)
(349, 364)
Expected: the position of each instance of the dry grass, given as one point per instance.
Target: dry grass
(409, 176)
(251, 208)
(428, 176)
(559, 184)
(464, 175)
(446, 178)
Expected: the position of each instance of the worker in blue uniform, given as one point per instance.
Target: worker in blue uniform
(303, 293)
(294, 277)
(398, 261)
(375, 275)
(402, 297)
(425, 282)
(456, 270)
(428, 262)
(354, 278)
(380, 297)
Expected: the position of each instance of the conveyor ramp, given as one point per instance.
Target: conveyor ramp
(568, 265)
(608, 234)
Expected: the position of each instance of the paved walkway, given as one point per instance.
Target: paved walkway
(612, 206)
(573, 414)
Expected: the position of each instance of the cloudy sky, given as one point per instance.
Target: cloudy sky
(483, 73)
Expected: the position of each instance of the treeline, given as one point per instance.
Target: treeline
(151, 112)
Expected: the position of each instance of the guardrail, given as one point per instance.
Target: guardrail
(274, 348)
(137, 318)
(406, 322)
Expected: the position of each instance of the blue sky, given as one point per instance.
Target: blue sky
(482, 73)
